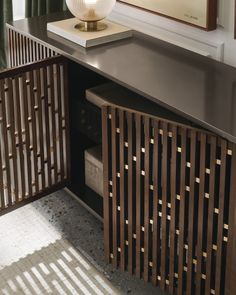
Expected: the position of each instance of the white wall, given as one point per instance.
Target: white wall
(218, 44)
(18, 9)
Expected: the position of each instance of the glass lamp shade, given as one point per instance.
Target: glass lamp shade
(90, 12)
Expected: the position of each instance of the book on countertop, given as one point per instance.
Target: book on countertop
(66, 29)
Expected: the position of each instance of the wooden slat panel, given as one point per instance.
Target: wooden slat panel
(191, 213)
(138, 194)
(24, 129)
(173, 252)
(179, 232)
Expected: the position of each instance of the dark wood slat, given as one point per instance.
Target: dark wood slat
(230, 282)
(11, 113)
(173, 210)
(156, 235)
(47, 141)
(106, 208)
(182, 223)
(58, 75)
(164, 235)
(138, 194)
(200, 212)
(190, 279)
(40, 127)
(220, 231)
(19, 106)
(146, 198)
(34, 132)
(27, 136)
(122, 190)
(54, 136)
(130, 193)
(6, 143)
(114, 146)
(209, 269)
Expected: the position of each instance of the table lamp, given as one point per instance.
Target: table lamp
(90, 12)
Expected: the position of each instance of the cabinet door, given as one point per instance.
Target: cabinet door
(169, 202)
(34, 152)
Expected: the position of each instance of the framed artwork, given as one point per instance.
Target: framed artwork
(199, 13)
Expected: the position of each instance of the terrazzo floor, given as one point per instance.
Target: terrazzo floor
(54, 245)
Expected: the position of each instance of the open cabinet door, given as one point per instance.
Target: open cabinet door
(34, 151)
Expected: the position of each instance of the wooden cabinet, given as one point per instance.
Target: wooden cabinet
(169, 188)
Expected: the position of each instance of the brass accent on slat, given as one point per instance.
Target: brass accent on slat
(226, 226)
(179, 149)
(143, 150)
(208, 171)
(216, 211)
(110, 182)
(229, 152)
(117, 130)
(126, 144)
(225, 239)
(218, 161)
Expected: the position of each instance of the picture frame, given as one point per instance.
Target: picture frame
(197, 13)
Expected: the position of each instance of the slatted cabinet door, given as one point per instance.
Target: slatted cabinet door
(34, 152)
(169, 203)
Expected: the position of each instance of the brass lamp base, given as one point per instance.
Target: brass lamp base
(93, 26)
